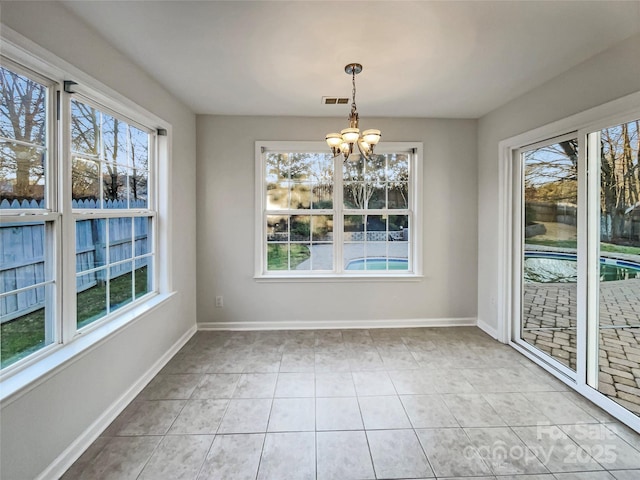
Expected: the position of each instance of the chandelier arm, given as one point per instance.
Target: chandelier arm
(365, 155)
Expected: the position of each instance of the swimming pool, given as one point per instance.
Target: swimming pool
(551, 267)
(378, 263)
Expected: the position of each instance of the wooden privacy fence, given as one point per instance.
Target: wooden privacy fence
(553, 212)
(89, 203)
(628, 224)
(22, 256)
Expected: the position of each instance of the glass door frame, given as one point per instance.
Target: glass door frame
(519, 250)
(592, 138)
(586, 127)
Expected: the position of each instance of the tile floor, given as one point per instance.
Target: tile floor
(358, 404)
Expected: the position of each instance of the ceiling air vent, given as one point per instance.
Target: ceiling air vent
(335, 100)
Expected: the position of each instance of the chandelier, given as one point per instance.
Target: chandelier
(343, 142)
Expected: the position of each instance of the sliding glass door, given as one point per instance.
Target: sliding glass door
(615, 323)
(549, 249)
(577, 259)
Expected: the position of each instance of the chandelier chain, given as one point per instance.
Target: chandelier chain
(353, 92)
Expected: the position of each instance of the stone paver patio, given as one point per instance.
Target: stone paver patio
(549, 324)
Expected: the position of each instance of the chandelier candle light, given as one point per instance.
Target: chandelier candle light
(342, 143)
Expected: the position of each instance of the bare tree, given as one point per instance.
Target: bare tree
(104, 142)
(85, 144)
(113, 181)
(362, 179)
(22, 118)
(619, 177)
(551, 172)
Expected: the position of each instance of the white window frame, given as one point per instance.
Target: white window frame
(414, 209)
(50, 215)
(70, 343)
(100, 213)
(518, 242)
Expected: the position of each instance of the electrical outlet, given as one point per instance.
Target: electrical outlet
(219, 301)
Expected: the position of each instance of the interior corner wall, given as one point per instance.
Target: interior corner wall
(37, 427)
(226, 226)
(607, 76)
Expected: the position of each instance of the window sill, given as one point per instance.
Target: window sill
(57, 357)
(332, 277)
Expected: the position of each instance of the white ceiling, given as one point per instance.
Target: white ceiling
(420, 58)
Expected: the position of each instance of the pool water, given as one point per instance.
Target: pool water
(378, 264)
(563, 268)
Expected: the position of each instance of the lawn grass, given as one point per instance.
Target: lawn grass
(277, 256)
(604, 247)
(25, 334)
(553, 243)
(21, 337)
(609, 247)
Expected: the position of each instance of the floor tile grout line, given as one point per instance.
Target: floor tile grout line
(415, 433)
(315, 422)
(529, 449)
(618, 436)
(264, 442)
(582, 448)
(540, 460)
(475, 449)
(150, 456)
(366, 436)
(315, 452)
(265, 438)
(373, 465)
(206, 455)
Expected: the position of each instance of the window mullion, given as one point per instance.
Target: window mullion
(52, 332)
(590, 336)
(133, 254)
(338, 218)
(86, 214)
(101, 162)
(153, 203)
(67, 268)
(107, 271)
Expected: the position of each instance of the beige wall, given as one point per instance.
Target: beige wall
(611, 74)
(226, 223)
(37, 427)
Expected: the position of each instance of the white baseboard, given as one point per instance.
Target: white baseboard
(339, 324)
(488, 329)
(60, 465)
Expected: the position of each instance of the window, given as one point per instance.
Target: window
(28, 281)
(320, 216)
(109, 184)
(103, 216)
(376, 213)
(299, 211)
